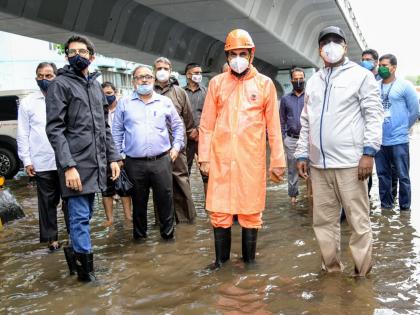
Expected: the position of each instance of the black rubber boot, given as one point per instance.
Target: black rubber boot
(84, 265)
(222, 241)
(71, 259)
(249, 245)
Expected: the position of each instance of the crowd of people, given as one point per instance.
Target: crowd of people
(76, 138)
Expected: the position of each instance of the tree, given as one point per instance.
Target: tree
(415, 79)
(59, 48)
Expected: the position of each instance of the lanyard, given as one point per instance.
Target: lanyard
(385, 97)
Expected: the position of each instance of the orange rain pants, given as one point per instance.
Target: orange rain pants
(225, 220)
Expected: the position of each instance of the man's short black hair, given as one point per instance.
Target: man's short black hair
(109, 84)
(47, 64)
(392, 59)
(190, 66)
(371, 52)
(79, 39)
(296, 69)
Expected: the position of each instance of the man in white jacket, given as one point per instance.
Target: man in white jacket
(341, 133)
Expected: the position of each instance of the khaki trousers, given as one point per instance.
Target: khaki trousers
(332, 190)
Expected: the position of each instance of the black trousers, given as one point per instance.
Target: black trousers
(48, 188)
(157, 175)
(394, 182)
(192, 149)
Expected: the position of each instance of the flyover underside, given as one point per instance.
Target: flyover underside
(285, 32)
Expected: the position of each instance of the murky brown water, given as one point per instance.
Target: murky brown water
(157, 277)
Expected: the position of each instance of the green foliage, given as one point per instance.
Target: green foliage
(415, 79)
(59, 48)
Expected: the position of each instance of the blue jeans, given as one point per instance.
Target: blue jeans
(80, 210)
(399, 156)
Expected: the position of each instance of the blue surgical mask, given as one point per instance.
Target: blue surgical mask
(43, 85)
(110, 99)
(368, 64)
(144, 89)
(79, 63)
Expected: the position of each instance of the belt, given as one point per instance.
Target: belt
(149, 158)
(291, 135)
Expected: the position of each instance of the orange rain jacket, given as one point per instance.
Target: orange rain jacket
(236, 115)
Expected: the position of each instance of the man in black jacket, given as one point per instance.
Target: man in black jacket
(79, 133)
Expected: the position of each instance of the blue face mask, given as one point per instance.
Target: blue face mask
(43, 85)
(110, 99)
(368, 64)
(144, 89)
(79, 63)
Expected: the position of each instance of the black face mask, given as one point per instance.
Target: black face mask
(110, 99)
(43, 85)
(298, 85)
(79, 63)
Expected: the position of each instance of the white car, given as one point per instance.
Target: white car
(9, 103)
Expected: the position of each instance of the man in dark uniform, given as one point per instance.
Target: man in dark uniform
(165, 85)
(197, 94)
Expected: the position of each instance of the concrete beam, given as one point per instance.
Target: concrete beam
(284, 31)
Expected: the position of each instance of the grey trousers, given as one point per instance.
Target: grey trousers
(183, 202)
(292, 173)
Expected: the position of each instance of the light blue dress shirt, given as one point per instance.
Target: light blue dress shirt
(144, 127)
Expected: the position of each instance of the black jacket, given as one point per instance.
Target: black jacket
(78, 129)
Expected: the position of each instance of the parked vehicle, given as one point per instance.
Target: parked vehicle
(9, 103)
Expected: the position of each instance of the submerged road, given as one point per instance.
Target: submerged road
(157, 277)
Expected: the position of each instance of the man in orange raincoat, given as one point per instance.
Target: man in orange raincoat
(240, 107)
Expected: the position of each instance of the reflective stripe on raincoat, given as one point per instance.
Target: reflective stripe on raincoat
(237, 115)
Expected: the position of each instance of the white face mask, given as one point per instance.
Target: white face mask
(197, 78)
(332, 52)
(239, 64)
(162, 75)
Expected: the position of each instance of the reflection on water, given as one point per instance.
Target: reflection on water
(156, 277)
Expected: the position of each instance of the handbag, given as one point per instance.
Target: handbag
(123, 185)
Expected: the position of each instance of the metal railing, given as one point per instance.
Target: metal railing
(346, 9)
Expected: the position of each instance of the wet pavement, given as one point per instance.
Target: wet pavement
(157, 277)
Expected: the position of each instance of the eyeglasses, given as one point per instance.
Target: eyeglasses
(146, 77)
(73, 52)
(45, 76)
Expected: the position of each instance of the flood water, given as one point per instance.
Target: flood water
(157, 277)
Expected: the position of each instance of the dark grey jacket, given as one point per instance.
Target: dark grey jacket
(78, 129)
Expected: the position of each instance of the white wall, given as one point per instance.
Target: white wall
(19, 57)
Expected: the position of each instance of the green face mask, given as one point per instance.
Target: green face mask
(384, 72)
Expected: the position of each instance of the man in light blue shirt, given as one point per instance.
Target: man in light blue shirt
(142, 121)
(370, 60)
(400, 103)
